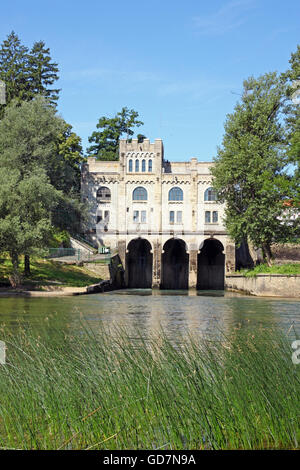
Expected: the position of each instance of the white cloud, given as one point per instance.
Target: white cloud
(96, 73)
(228, 17)
(162, 86)
(197, 89)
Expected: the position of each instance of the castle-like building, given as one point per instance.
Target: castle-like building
(161, 217)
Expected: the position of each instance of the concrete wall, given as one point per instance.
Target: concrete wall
(77, 245)
(266, 285)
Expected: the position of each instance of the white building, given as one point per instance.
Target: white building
(161, 217)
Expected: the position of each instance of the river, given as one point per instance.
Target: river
(147, 311)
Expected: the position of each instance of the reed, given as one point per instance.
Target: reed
(105, 389)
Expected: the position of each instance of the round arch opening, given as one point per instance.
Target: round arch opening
(211, 265)
(175, 265)
(139, 262)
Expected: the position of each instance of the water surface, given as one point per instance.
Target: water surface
(204, 313)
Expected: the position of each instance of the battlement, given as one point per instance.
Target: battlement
(145, 146)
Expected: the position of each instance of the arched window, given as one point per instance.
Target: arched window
(103, 194)
(139, 194)
(150, 166)
(137, 166)
(143, 166)
(176, 194)
(130, 166)
(210, 194)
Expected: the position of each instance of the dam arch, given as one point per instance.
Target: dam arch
(175, 265)
(139, 264)
(211, 265)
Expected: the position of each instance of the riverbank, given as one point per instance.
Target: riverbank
(44, 291)
(279, 280)
(48, 278)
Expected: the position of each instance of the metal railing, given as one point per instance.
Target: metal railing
(61, 252)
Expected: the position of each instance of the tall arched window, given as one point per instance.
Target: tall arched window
(103, 194)
(143, 166)
(176, 194)
(210, 194)
(139, 194)
(130, 166)
(137, 166)
(150, 166)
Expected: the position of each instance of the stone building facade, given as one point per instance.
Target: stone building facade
(161, 217)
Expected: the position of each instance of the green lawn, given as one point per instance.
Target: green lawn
(45, 272)
(288, 269)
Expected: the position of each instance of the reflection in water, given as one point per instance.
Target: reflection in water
(146, 311)
(211, 293)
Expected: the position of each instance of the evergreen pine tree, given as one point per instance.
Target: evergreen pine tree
(27, 73)
(43, 72)
(14, 69)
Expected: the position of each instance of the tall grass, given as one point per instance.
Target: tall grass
(108, 390)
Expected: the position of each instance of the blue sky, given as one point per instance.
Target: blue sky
(180, 64)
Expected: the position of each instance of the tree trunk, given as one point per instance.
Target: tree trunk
(26, 265)
(15, 277)
(15, 261)
(267, 254)
(252, 251)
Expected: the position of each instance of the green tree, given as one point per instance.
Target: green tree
(65, 174)
(249, 173)
(42, 72)
(27, 73)
(30, 138)
(44, 140)
(71, 157)
(141, 138)
(292, 111)
(26, 204)
(29, 135)
(14, 69)
(106, 140)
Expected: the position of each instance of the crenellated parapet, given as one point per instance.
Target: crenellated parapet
(146, 146)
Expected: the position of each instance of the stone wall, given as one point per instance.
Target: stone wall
(286, 253)
(101, 270)
(282, 253)
(265, 285)
(117, 273)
